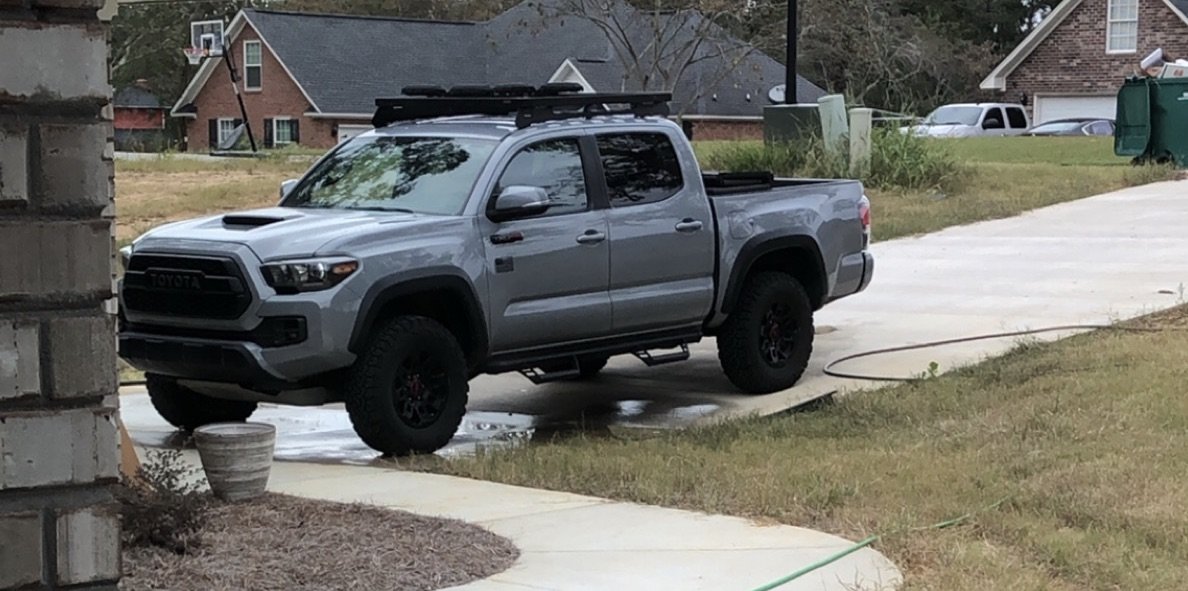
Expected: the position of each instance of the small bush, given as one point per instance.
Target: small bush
(898, 161)
(165, 506)
(904, 161)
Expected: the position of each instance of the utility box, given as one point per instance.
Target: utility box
(1152, 121)
(786, 123)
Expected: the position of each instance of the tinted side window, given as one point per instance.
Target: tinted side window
(993, 119)
(1102, 128)
(555, 166)
(1017, 117)
(640, 168)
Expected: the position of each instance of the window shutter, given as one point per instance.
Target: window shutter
(295, 134)
(268, 133)
(214, 134)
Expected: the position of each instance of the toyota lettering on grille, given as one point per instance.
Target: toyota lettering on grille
(186, 281)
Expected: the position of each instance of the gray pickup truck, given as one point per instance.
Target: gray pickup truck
(464, 235)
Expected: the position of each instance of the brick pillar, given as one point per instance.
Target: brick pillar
(58, 439)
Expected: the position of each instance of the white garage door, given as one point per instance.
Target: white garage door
(1048, 108)
(346, 132)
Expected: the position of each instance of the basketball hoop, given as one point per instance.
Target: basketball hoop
(195, 54)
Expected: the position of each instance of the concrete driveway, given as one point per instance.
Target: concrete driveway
(1096, 260)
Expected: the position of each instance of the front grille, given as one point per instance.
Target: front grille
(194, 287)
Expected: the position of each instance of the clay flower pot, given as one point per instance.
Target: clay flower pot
(237, 458)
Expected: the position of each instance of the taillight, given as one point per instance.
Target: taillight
(864, 215)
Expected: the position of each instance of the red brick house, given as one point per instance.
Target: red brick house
(1074, 62)
(312, 79)
(139, 119)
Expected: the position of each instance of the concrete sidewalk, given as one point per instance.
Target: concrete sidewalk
(577, 543)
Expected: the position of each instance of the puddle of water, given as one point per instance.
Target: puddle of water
(325, 435)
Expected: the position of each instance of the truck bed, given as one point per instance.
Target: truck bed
(753, 210)
(723, 184)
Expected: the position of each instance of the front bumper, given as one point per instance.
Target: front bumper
(217, 361)
(234, 348)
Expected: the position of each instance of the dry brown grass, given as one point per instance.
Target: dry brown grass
(284, 543)
(154, 192)
(1087, 438)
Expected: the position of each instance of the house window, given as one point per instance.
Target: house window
(226, 128)
(253, 65)
(282, 132)
(1122, 27)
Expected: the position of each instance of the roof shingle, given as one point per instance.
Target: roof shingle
(345, 62)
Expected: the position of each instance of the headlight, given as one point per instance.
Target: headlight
(125, 257)
(299, 276)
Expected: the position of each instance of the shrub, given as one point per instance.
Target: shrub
(165, 506)
(898, 161)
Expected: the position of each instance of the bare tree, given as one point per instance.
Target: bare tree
(659, 42)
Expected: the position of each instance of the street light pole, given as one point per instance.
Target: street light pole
(790, 97)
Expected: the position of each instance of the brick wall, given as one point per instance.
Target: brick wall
(137, 118)
(1073, 59)
(727, 130)
(58, 437)
(278, 96)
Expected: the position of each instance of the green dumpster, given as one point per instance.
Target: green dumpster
(1152, 121)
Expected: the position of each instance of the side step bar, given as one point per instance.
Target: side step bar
(538, 377)
(572, 370)
(654, 360)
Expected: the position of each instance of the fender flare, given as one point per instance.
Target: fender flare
(389, 289)
(758, 246)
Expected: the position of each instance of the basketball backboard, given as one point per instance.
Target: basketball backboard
(208, 36)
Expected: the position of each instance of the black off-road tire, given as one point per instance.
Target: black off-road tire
(741, 340)
(188, 410)
(382, 396)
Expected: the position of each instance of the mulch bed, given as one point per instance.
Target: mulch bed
(283, 543)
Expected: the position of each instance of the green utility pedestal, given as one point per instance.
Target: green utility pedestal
(784, 123)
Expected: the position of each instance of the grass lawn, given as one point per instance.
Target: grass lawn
(152, 192)
(1087, 439)
(1005, 177)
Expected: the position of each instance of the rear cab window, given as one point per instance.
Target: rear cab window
(1017, 118)
(640, 168)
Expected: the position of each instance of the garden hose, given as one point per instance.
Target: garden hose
(871, 540)
(830, 371)
(876, 378)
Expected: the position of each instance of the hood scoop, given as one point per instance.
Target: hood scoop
(248, 222)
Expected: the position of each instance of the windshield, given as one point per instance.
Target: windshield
(954, 116)
(1063, 126)
(432, 175)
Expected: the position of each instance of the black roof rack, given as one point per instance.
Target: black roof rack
(531, 105)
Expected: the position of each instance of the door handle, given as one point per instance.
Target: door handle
(689, 225)
(591, 237)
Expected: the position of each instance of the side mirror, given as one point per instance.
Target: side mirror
(287, 186)
(992, 123)
(519, 201)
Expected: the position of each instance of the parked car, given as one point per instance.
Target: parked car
(1074, 127)
(973, 120)
(530, 235)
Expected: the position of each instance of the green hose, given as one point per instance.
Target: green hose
(871, 540)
